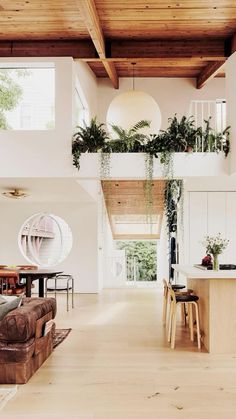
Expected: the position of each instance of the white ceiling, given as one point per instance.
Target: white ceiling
(45, 190)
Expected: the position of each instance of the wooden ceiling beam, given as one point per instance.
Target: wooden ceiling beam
(129, 50)
(167, 48)
(75, 49)
(90, 17)
(162, 62)
(208, 73)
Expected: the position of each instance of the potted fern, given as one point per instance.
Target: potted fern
(128, 141)
(88, 139)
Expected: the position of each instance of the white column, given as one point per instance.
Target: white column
(230, 72)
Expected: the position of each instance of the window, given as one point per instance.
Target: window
(27, 100)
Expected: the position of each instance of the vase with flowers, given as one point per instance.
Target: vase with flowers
(215, 245)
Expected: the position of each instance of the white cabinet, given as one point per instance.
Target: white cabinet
(197, 225)
(212, 213)
(231, 226)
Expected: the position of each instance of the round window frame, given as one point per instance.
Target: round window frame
(35, 217)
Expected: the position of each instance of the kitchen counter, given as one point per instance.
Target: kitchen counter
(193, 272)
(217, 305)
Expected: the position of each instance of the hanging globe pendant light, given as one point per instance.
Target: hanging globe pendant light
(132, 106)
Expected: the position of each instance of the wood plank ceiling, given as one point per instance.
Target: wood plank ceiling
(166, 38)
(126, 203)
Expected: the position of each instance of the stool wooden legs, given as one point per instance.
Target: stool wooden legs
(172, 322)
(165, 305)
(198, 326)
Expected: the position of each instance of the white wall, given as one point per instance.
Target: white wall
(82, 262)
(173, 95)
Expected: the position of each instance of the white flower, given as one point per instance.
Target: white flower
(215, 245)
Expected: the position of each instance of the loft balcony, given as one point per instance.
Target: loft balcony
(132, 165)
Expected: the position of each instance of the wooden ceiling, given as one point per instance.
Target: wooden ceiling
(166, 38)
(129, 215)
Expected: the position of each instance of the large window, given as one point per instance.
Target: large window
(27, 97)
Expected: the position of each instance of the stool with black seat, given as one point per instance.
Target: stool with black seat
(62, 282)
(191, 301)
(176, 288)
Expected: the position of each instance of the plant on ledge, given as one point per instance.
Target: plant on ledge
(88, 139)
(128, 141)
(180, 136)
(211, 141)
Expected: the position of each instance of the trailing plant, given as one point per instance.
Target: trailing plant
(88, 139)
(148, 188)
(173, 199)
(105, 165)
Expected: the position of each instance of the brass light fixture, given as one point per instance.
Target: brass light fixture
(15, 193)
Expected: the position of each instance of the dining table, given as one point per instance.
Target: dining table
(39, 275)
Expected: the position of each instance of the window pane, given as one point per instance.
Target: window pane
(27, 100)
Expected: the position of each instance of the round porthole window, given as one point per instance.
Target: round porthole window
(45, 239)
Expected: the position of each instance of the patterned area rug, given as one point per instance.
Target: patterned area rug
(59, 336)
(6, 393)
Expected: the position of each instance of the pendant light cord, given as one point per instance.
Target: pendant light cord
(133, 64)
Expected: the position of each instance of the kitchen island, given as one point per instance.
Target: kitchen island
(217, 305)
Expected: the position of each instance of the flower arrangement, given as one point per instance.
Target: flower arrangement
(215, 246)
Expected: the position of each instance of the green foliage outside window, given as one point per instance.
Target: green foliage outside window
(10, 94)
(145, 253)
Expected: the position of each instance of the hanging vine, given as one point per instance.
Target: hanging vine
(149, 189)
(105, 165)
(173, 204)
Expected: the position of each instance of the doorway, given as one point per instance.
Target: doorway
(140, 261)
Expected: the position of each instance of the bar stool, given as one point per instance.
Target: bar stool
(176, 287)
(67, 286)
(191, 301)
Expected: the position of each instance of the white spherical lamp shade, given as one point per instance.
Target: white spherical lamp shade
(131, 107)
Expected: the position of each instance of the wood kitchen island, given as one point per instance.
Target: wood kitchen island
(217, 304)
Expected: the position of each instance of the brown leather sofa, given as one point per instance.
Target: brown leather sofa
(24, 345)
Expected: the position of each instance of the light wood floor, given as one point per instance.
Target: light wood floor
(116, 364)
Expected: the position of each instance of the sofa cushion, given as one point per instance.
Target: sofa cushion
(2, 300)
(20, 324)
(9, 306)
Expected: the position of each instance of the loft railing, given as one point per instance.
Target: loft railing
(202, 111)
